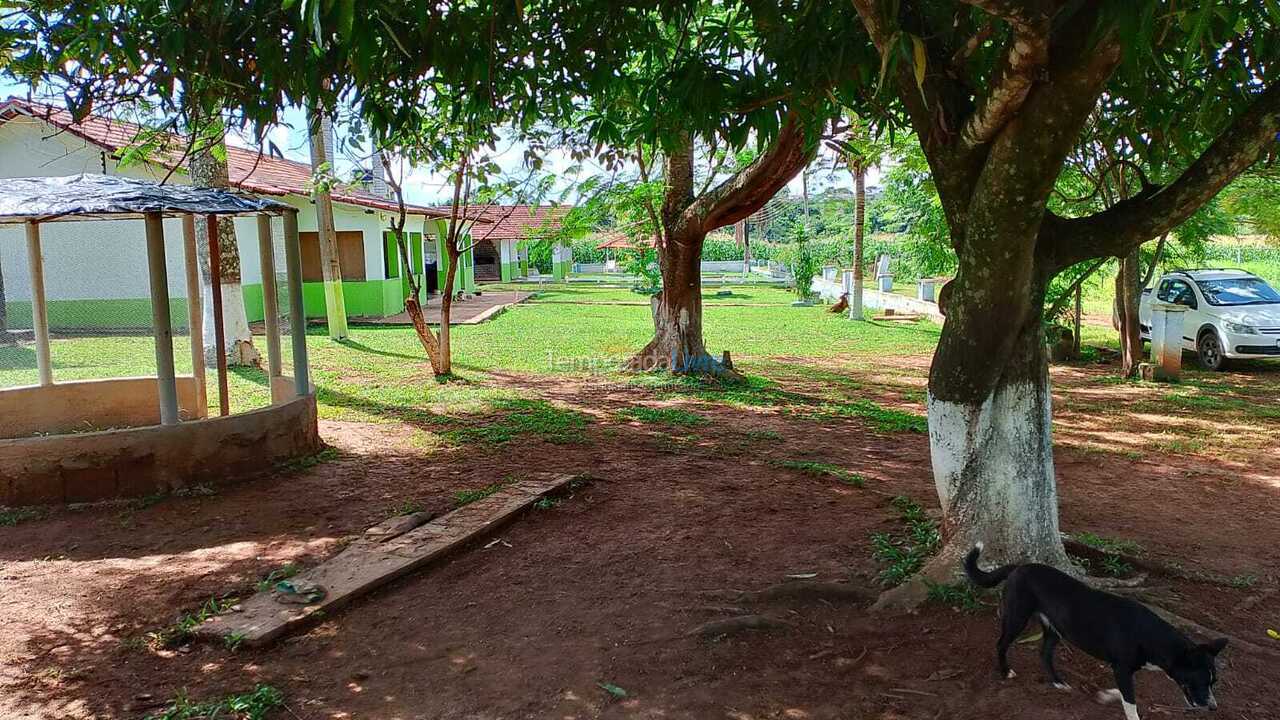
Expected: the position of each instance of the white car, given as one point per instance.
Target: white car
(1231, 314)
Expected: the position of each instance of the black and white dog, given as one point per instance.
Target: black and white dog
(1113, 629)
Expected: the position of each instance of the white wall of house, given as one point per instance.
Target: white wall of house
(106, 259)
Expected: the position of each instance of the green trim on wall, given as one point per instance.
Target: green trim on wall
(367, 298)
(370, 298)
(253, 307)
(124, 314)
(508, 271)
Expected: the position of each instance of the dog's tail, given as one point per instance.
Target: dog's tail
(979, 576)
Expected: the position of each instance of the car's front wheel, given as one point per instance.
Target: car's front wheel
(1210, 351)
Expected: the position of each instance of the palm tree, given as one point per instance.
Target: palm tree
(860, 151)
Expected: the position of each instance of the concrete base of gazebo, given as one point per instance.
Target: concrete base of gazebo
(136, 462)
(54, 448)
(85, 405)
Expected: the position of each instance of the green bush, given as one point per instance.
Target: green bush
(718, 248)
(805, 267)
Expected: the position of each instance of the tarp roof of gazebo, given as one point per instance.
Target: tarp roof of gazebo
(88, 197)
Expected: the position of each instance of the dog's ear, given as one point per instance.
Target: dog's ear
(1215, 647)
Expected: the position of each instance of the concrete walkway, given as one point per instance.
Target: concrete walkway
(472, 311)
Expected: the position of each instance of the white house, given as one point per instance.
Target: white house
(39, 140)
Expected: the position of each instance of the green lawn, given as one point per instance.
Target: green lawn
(382, 372)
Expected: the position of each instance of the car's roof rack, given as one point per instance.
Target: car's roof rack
(1188, 271)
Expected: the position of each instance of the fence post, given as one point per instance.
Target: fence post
(166, 381)
(39, 310)
(195, 314)
(298, 313)
(270, 306)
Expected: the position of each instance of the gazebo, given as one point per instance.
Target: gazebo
(150, 447)
(616, 241)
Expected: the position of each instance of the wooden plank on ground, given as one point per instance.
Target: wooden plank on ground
(377, 559)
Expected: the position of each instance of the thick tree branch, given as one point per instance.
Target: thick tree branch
(1023, 15)
(1157, 210)
(1028, 52)
(931, 108)
(748, 189)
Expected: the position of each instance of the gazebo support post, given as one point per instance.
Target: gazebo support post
(270, 306)
(166, 382)
(219, 330)
(39, 310)
(195, 314)
(297, 312)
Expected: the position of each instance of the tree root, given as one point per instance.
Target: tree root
(943, 569)
(1075, 547)
(1113, 583)
(654, 358)
(802, 591)
(1188, 624)
(1252, 600)
(729, 626)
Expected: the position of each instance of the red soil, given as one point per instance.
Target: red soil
(602, 588)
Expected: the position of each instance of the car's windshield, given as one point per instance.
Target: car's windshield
(1238, 291)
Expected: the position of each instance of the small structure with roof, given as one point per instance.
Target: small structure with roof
(81, 441)
(501, 251)
(46, 141)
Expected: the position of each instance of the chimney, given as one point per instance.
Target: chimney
(378, 184)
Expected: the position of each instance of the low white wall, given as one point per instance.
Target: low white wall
(831, 290)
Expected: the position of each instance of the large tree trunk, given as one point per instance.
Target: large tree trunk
(685, 220)
(859, 229)
(993, 461)
(677, 313)
(208, 171)
(1128, 295)
(991, 450)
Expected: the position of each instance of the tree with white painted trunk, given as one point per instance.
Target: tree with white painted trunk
(208, 168)
(999, 92)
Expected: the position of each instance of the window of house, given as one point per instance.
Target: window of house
(350, 255)
(390, 256)
(392, 263)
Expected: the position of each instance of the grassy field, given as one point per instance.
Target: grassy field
(381, 374)
(380, 371)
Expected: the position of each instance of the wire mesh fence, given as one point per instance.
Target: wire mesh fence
(99, 305)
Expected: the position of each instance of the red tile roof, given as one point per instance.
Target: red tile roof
(517, 222)
(249, 170)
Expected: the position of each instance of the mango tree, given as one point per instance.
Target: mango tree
(999, 92)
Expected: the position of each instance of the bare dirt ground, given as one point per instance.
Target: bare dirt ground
(602, 588)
